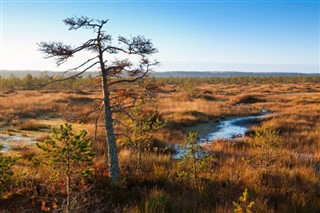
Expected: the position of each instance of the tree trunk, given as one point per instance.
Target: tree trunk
(68, 191)
(112, 146)
(68, 179)
(140, 144)
(140, 153)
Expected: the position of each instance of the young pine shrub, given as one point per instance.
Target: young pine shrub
(139, 130)
(195, 163)
(5, 171)
(267, 141)
(68, 154)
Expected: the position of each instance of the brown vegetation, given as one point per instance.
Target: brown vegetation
(280, 168)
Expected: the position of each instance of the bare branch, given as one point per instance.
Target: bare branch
(70, 77)
(83, 64)
(89, 45)
(122, 107)
(126, 112)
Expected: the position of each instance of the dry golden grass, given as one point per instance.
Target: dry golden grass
(40, 104)
(290, 184)
(182, 107)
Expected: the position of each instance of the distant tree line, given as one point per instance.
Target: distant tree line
(30, 82)
(242, 79)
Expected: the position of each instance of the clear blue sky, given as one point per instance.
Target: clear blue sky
(190, 35)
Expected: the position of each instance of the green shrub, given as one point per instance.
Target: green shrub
(5, 170)
(195, 163)
(267, 140)
(69, 154)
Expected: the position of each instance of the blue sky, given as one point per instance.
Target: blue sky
(190, 35)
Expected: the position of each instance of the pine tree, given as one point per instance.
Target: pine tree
(67, 153)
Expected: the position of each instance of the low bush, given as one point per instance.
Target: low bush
(32, 125)
(248, 99)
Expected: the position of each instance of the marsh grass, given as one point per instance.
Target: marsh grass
(290, 182)
(32, 125)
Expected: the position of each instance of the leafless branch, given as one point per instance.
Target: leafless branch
(125, 111)
(70, 77)
(121, 106)
(81, 65)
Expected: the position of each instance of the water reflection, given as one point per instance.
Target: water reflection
(227, 129)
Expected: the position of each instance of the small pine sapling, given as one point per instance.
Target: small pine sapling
(5, 170)
(68, 154)
(267, 140)
(195, 162)
(139, 129)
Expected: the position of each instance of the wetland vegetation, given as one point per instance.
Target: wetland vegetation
(276, 164)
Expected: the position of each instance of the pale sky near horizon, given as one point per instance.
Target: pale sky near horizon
(261, 36)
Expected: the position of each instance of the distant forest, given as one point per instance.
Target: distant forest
(54, 80)
(202, 74)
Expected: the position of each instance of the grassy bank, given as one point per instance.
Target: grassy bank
(278, 162)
